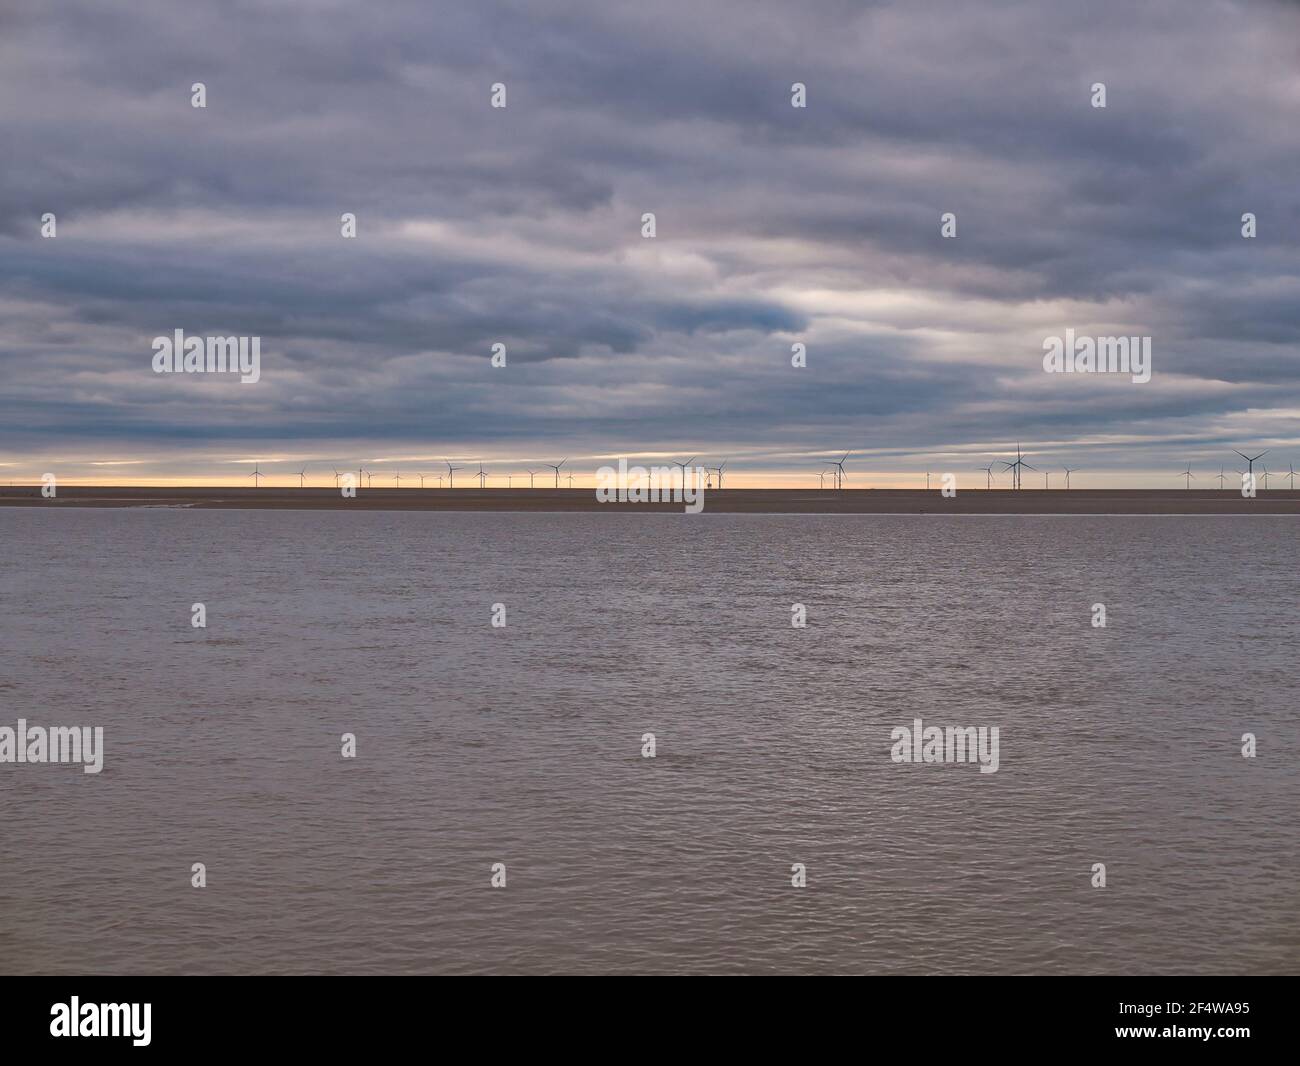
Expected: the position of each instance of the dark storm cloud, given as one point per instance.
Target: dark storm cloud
(522, 226)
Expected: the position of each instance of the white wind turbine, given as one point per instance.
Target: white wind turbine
(1187, 476)
(839, 469)
(481, 475)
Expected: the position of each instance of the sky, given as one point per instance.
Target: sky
(774, 226)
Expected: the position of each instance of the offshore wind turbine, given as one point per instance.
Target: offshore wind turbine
(1068, 472)
(1266, 475)
(927, 481)
(718, 470)
(821, 479)
(451, 473)
(570, 479)
(684, 466)
(1016, 467)
(839, 469)
(988, 478)
(531, 474)
(1188, 476)
(556, 468)
(1290, 474)
(1221, 477)
(397, 476)
(256, 475)
(302, 477)
(421, 477)
(1250, 463)
(481, 475)
(336, 477)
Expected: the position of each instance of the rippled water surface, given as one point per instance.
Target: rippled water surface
(522, 745)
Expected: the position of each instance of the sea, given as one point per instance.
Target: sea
(502, 812)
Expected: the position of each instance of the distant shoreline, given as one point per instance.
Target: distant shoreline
(718, 501)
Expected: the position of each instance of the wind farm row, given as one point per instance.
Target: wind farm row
(833, 474)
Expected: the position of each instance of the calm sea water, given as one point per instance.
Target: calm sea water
(522, 745)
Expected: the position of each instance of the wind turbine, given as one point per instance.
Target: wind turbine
(481, 475)
(531, 474)
(927, 481)
(821, 479)
(397, 476)
(256, 475)
(1266, 475)
(988, 479)
(1068, 472)
(1221, 477)
(1290, 474)
(1250, 463)
(1047, 479)
(570, 479)
(1187, 475)
(1015, 467)
(556, 468)
(302, 477)
(336, 477)
(839, 469)
(718, 470)
(451, 473)
(684, 466)
(421, 477)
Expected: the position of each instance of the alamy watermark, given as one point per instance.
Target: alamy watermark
(179, 354)
(950, 744)
(656, 484)
(59, 744)
(1098, 355)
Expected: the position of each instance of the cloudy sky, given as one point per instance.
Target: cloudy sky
(522, 225)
